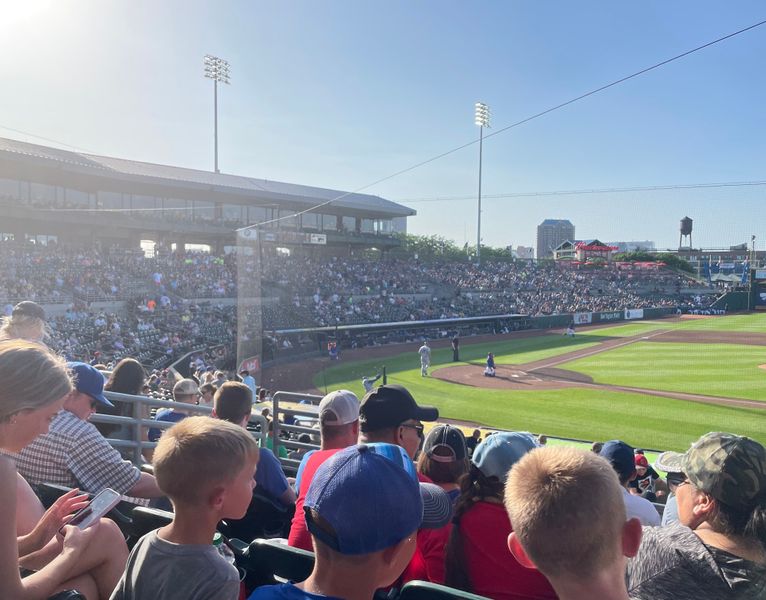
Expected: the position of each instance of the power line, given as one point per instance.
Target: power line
(615, 190)
(39, 137)
(517, 123)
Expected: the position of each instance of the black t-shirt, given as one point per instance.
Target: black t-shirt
(646, 482)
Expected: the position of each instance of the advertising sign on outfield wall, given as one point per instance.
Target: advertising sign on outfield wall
(615, 315)
(582, 318)
(760, 273)
(634, 313)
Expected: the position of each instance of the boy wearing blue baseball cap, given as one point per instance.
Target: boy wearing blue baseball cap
(363, 510)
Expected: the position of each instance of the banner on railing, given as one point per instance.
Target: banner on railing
(582, 318)
(252, 364)
(634, 313)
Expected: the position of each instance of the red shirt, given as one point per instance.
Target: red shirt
(299, 535)
(492, 569)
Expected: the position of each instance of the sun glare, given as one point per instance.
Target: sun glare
(20, 12)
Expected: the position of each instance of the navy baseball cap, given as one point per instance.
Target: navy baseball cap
(89, 380)
(368, 498)
(390, 406)
(621, 456)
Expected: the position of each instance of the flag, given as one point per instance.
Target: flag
(706, 269)
(745, 272)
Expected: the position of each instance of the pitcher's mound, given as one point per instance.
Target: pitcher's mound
(511, 377)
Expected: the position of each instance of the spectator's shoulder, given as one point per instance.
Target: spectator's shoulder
(66, 423)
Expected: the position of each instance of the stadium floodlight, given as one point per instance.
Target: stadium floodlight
(481, 118)
(216, 69)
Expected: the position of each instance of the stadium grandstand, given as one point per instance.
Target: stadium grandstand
(52, 194)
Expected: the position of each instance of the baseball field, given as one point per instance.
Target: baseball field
(655, 384)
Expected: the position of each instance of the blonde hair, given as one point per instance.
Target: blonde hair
(199, 453)
(23, 327)
(567, 510)
(32, 376)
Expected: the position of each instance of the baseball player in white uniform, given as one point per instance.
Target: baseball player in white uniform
(425, 359)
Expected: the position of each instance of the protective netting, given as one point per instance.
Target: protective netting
(249, 303)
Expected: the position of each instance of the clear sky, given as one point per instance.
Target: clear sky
(340, 93)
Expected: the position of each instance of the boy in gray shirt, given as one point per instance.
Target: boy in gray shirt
(206, 467)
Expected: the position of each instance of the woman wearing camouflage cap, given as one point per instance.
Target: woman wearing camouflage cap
(719, 548)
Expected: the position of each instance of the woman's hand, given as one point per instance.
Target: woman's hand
(76, 539)
(58, 515)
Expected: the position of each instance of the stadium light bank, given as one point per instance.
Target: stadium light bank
(216, 69)
(481, 118)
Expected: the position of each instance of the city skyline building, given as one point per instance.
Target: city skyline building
(551, 233)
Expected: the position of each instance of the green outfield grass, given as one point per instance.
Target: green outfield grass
(625, 330)
(753, 323)
(714, 369)
(642, 420)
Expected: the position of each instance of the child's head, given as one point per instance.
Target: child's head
(232, 402)
(642, 465)
(207, 464)
(568, 514)
(364, 507)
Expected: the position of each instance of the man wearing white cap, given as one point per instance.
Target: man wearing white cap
(339, 426)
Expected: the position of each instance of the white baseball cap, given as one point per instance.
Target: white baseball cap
(340, 407)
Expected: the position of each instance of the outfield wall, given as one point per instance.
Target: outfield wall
(592, 318)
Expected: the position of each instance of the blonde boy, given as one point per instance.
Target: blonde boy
(568, 519)
(206, 467)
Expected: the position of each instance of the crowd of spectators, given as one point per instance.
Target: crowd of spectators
(163, 321)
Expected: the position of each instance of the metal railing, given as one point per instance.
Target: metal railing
(140, 420)
(309, 415)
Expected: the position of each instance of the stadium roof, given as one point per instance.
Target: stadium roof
(257, 189)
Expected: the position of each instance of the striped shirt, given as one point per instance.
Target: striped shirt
(74, 454)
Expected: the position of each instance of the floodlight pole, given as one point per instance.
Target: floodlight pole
(215, 122)
(216, 69)
(481, 118)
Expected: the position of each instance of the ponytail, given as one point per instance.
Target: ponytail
(474, 487)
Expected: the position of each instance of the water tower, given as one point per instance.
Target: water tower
(686, 231)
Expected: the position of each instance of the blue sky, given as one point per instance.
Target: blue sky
(342, 93)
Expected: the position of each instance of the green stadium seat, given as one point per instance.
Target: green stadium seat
(146, 519)
(424, 590)
(267, 562)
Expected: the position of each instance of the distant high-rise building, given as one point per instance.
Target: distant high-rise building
(551, 233)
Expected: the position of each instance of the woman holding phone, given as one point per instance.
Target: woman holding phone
(35, 560)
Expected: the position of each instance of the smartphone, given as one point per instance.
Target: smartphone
(101, 504)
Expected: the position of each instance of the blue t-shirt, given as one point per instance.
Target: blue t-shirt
(285, 591)
(165, 414)
(269, 476)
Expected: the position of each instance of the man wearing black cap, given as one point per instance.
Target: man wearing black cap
(27, 322)
(74, 454)
(390, 414)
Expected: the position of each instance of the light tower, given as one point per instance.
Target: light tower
(481, 118)
(216, 69)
